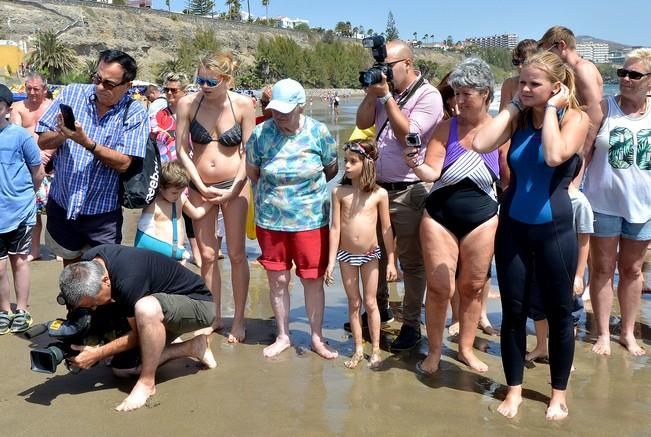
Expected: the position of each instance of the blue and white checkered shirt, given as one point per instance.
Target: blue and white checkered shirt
(83, 185)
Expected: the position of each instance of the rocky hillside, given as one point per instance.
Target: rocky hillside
(150, 36)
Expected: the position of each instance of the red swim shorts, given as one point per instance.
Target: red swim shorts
(308, 250)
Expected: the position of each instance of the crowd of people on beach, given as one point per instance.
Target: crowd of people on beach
(556, 188)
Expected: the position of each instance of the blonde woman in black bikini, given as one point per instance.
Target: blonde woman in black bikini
(217, 123)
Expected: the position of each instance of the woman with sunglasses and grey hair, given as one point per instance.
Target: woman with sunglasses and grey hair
(219, 122)
(618, 186)
(458, 226)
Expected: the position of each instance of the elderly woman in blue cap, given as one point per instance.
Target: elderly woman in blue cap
(289, 158)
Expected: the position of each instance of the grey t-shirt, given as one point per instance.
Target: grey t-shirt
(583, 216)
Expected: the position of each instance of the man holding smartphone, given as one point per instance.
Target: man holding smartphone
(407, 105)
(83, 205)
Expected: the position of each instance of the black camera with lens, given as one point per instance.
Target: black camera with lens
(374, 74)
(82, 326)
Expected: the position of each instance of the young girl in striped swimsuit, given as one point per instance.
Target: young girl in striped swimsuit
(356, 205)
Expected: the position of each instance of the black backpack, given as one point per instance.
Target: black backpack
(139, 184)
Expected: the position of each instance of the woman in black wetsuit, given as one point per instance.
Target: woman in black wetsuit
(535, 232)
(217, 122)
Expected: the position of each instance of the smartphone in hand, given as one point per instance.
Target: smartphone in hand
(68, 116)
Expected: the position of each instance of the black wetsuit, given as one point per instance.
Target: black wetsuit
(536, 232)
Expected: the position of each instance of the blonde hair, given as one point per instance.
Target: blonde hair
(181, 78)
(367, 180)
(642, 54)
(557, 71)
(173, 174)
(557, 34)
(221, 63)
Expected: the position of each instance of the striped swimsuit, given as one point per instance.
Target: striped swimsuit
(463, 197)
(358, 260)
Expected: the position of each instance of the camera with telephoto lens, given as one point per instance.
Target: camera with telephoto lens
(374, 74)
(82, 326)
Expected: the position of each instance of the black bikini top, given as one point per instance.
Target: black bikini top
(200, 135)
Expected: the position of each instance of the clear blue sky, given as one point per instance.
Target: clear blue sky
(628, 22)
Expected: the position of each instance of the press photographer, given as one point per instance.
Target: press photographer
(399, 101)
(160, 300)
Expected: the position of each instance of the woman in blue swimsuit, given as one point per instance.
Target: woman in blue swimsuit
(535, 232)
(217, 122)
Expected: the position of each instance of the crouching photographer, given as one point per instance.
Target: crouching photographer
(399, 101)
(160, 300)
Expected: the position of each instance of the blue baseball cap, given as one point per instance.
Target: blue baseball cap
(286, 94)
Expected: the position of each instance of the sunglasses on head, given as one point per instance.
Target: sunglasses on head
(107, 84)
(201, 81)
(633, 75)
(354, 147)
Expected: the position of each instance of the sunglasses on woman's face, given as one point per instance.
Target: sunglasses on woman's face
(201, 81)
(516, 62)
(172, 90)
(633, 75)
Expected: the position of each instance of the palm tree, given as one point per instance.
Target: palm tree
(167, 3)
(415, 36)
(248, 10)
(370, 32)
(425, 37)
(51, 57)
(233, 9)
(265, 3)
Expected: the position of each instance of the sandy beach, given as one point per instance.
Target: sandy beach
(299, 393)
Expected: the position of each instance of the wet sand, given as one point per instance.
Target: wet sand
(299, 393)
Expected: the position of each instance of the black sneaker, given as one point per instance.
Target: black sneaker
(407, 339)
(386, 317)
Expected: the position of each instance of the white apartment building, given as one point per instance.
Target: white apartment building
(505, 41)
(595, 52)
(290, 23)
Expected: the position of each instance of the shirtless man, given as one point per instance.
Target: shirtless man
(589, 84)
(26, 114)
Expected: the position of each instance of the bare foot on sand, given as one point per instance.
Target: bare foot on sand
(375, 362)
(453, 329)
(200, 349)
(539, 353)
(238, 333)
(137, 398)
(631, 345)
(602, 346)
(322, 349)
(429, 366)
(487, 328)
(354, 360)
(557, 409)
(509, 407)
(472, 361)
(277, 347)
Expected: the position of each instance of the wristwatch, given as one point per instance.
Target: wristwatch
(386, 98)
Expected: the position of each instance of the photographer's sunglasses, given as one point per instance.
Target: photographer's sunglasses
(516, 62)
(201, 81)
(96, 79)
(633, 75)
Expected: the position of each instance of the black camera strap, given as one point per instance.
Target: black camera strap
(402, 101)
